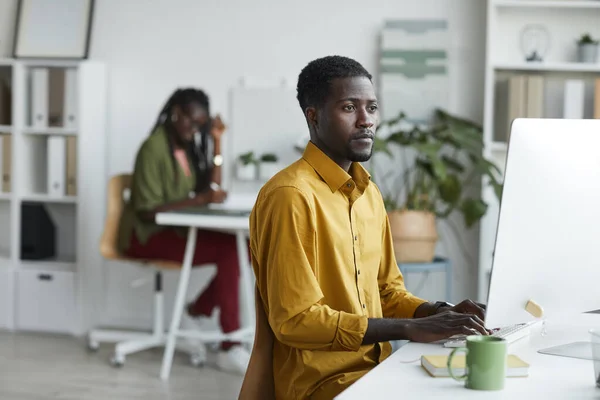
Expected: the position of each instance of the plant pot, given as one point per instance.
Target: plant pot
(415, 235)
(266, 170)
(246, 172)
(587, 53)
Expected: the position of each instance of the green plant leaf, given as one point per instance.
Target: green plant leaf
(431, 150)
(473, 210)
(450, 189)
(452, 164)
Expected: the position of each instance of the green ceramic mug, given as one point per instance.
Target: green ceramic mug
(485, 363)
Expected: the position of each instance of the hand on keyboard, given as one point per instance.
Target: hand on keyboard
(444, 325)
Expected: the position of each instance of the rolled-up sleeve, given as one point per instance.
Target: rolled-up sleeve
(283, 243)
(396, 300)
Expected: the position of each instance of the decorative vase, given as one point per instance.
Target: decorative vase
(246, 172)
(266, 170)
(415, 235)
(587, 53)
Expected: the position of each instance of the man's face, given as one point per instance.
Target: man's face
(347, 121)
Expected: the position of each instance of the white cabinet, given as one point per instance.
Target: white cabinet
(52, 156)
(46, 301)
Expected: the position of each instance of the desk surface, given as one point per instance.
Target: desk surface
(550, 377)
(203, 217)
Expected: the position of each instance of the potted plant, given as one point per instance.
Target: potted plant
(587, 49)
(438, 163)
(246, 166)
(268, 166)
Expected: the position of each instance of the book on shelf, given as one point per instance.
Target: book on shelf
(6, 161)
(519, 96)
(436, 366)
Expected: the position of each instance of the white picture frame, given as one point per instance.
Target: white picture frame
(57, 29)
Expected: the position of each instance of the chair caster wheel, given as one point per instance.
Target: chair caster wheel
(197, 360)
(117, 361)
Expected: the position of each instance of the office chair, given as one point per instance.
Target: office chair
(128, 342)
(258, 381)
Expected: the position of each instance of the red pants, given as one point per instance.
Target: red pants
(211, 248)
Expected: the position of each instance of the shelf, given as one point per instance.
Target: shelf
(50, 131)
(5, 129)
(556, 67)
(44, 198)
(56, 264)
(547, 4)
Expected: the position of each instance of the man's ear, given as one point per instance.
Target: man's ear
(311, 117)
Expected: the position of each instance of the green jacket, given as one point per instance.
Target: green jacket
(153, 184)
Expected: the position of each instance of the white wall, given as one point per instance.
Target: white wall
(153, 46)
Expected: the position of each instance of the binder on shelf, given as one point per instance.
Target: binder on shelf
(5, 102)
(71, 159)
(56, 93)
(56, 166)
(597, 98)
(6, 143)
(70, 99)
(574, 99)
(517, 100)
(535, 96)
(39, 97)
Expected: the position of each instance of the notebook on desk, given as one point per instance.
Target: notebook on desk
(236, 202)
(435, 365)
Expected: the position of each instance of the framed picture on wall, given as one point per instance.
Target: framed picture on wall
(53, 29)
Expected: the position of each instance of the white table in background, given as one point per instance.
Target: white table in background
(550, 377)
(231, 217)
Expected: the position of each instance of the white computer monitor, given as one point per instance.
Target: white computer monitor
(548, 238)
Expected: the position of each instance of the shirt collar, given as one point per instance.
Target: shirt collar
(333, 174)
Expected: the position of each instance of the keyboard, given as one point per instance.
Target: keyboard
(509, 333)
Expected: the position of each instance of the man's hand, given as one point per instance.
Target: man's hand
(444, 325)
(466, 307)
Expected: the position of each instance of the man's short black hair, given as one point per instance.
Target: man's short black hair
(315, 78)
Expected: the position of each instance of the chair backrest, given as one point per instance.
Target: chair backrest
(258, 382)
(117, 186)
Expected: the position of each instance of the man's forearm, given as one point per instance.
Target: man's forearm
(386, 329)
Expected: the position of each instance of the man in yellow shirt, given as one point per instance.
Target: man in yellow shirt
(322, 249)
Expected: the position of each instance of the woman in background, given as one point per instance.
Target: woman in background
(173, 171)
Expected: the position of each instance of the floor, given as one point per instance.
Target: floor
(39, 367)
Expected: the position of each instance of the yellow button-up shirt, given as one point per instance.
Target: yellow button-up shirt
(323, 257)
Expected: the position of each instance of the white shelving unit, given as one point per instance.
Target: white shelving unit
(565, 21)
(55, 293)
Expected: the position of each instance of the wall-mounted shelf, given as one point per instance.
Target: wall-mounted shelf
(50, 131)
(551, 67)
(547, 4)
(44, 198)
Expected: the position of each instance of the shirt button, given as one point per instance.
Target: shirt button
(364, 306)
(355, 237)
(359, 271)
(349, 185)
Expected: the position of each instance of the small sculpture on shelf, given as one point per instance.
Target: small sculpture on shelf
(535, 41)
(587, 49)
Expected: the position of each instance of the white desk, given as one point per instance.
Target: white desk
(220, 220)
(550, 377)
